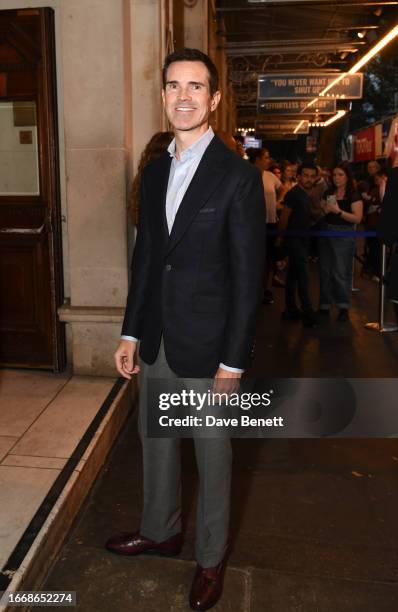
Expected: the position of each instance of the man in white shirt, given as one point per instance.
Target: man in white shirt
(192, 303)
(261, 159)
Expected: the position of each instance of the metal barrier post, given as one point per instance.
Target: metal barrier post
(353, 288)
(380, 326)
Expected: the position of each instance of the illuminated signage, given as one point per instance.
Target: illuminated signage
(308, 85)
(326, 106)
(294, 126)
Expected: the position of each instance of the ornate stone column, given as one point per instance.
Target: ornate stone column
(111, 58)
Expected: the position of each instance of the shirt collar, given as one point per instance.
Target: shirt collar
(195, 150)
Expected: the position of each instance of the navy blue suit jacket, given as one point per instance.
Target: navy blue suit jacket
(201, 285)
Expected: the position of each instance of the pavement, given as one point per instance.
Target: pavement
(313, 523)
(313, 529)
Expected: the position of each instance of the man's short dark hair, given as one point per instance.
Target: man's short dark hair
(192, 55)
(254, 153)
(307, 166)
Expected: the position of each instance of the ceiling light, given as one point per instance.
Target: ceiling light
(335, 117)
(374, 50)
(360, 63)
(338, 115)
(361, 34)
(298, 126)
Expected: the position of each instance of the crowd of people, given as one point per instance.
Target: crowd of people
(312, 214)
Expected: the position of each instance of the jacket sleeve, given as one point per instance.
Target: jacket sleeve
(140, 270)
(387, 229)
(246, 229)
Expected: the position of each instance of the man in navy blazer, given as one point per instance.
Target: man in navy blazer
(195, 289)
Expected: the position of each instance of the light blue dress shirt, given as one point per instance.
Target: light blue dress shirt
(181, 173)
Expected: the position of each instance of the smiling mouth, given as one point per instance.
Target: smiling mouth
(184, 109)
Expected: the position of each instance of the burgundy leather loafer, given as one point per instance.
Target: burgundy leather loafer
(136, 544)
(207, 586)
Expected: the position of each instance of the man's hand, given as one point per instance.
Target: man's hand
(226, 381)
(125, 360)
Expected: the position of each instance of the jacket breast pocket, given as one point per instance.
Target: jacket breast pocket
(206, 214)
(208, 303)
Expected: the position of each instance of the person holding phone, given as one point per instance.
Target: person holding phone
(343, 210)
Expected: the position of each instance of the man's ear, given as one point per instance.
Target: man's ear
(215, 100)
(163, 97)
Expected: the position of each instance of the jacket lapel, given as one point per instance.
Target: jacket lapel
(158, 183)
(211, 170)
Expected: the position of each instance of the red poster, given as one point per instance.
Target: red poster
(365, 145)
(3, 84)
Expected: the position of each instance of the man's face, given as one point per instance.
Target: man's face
(264, 161)
(307, 178)
(186, 97)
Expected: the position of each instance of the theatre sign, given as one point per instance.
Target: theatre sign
(368, 143)
(286, 86)
(281, 126)
(324, 106)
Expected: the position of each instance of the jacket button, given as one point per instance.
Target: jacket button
(168, 267)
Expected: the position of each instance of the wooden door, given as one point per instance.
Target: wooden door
(31, 286)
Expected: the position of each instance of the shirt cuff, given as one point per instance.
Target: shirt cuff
(222, 365)
(131, 338)
(229, 369)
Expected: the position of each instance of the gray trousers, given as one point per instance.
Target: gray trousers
(161, 517)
